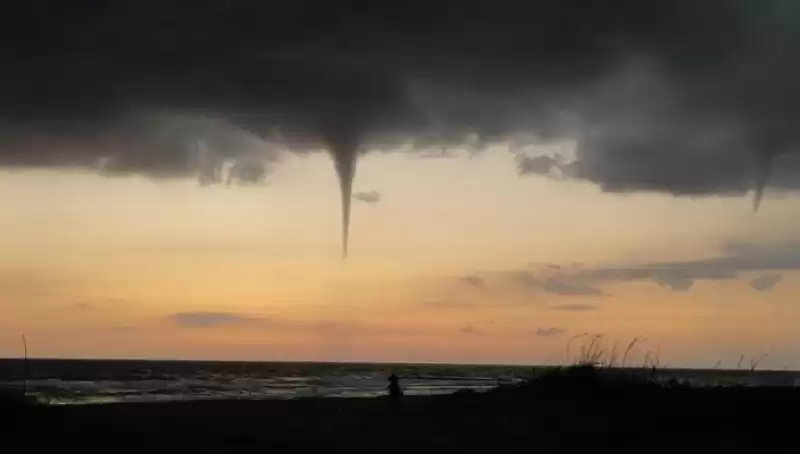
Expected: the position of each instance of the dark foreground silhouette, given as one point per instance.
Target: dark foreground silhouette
(575, 410)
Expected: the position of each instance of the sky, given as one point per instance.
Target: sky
(426, 181)
(460, 260)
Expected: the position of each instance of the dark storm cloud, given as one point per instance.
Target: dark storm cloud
(684, 96)
(541, 165)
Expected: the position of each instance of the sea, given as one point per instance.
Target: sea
(82, 381)
(79, 381)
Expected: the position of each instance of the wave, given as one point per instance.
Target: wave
(58, 391)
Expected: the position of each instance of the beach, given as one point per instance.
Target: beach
(76, 382)
(561, 417)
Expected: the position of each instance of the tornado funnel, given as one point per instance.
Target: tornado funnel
(345, 170)
(764, 170)
(342, 144)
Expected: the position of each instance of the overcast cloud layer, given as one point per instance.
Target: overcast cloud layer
(680, 96)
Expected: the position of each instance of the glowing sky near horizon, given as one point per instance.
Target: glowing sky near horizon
(132, 267)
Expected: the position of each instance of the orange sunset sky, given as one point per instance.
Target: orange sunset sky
(461, 260)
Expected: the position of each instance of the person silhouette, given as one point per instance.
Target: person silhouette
(395, 391)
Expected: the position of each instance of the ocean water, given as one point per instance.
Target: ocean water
(100, 381)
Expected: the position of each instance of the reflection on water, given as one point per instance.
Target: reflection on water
(80, 382)
(56, 391)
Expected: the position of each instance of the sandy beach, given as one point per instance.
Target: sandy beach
(554, 418)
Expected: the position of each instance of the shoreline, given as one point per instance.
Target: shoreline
(211, 388)
(561, 416)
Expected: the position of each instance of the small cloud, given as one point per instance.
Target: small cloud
(212, 319)
(101, 303)
(447, 304)
(442, 153)
(470, 330)
(539, 165)
(367, 197)
(765, 282)
(565, 288)
(676, 283)
(475, 281)
(573, 307)
(558, 285)
(552, 331)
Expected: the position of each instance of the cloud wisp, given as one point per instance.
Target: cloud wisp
(215, 319)
(559, 284)
(739, 260)
(470, 330)
(573, 307)
(761, 266)
(367, 197)
(447, 304)
(552, 331)
(474, 281)
(766, 282)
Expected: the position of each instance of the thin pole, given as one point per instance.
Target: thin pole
(25, 366)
